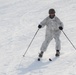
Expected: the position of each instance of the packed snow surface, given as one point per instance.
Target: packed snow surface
(18, 24)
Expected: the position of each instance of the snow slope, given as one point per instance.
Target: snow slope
(18, 23)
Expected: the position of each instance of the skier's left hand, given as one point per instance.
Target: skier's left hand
(61, 28)
(39, 26)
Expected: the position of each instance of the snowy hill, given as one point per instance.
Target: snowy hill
(18, 23)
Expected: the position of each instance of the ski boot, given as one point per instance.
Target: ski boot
(57, 53)
(40, 55)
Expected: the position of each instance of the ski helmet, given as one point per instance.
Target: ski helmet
(51, 11)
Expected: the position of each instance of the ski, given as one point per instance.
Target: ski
(54, 58)
(39, 59)
(50, 59)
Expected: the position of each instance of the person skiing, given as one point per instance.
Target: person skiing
(53, 30)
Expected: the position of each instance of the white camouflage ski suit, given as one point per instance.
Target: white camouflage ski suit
(52, 31)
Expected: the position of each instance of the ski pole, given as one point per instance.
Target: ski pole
(69, 40)
(30, 43)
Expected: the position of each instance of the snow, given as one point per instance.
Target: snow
(18, 24)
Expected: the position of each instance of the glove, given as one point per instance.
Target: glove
(39, 26)
(61, 28)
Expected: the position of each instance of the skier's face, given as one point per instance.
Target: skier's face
(52, 15)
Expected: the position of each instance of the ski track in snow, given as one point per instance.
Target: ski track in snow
(18, 23)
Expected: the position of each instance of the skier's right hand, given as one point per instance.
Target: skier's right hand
(39, 26)
(61, 28)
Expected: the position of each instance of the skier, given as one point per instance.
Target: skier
(53, 30)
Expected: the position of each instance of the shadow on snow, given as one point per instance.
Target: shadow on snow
(36, 65)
